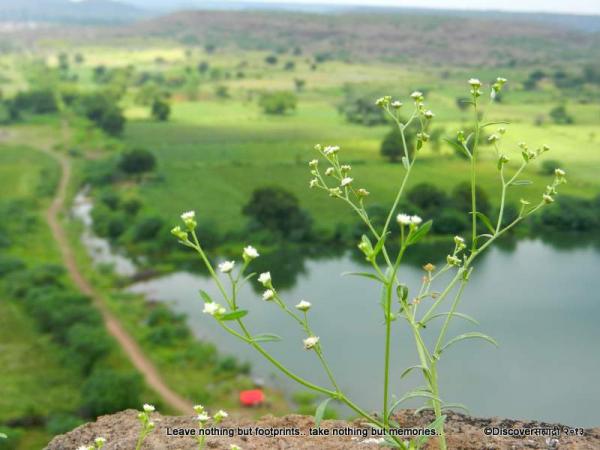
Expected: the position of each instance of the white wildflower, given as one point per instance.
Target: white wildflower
(265, 279)
(303, 305)
(417, 95)
(429, 114)
(415, 220)
(226, 266)
(475, 83)
(203, 417)
(560, 173)
(329, 171)
(347, 181)
(403, 219)
(211, 308)
(310, 342)
(314, 182)
(268, 294)
(313, 164)
(220, 415)
(149, 408)
(199, 408)
(331, 149)
(396, 104)
(250, 253)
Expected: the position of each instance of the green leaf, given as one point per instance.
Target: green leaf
(390, 442)
(379, 245)
(485, 221)
(320, 411)
(413, 394)
(457, 314)
(489, 124)
(234, 315)
(266, 337)
(521, 183)
(458, 147)
(419, 233)
(472, 335)
(456, 406)
(402, 292)
(411, 368)
(250, 275)
(437, 424)
(205, 296)
(363, 274)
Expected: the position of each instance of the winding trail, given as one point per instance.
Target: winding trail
(114, 327)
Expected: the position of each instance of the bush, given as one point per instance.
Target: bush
(107, 391)
(137, 161)
(147, 228)
(461, 199)
(10, 264)
(278, 210)
(392, 146)
(61, 424)
(40, 101)
(103, 111)
(86, 345)
(360, 108)
(549, 165)
(428, 198)
(571, 214)
(560, 116)
(450, 221)
(161, 110)
(278, 103)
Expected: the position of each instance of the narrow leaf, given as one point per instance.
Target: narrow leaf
(413, 394)
(521, 183)
(473, 335)
(456, 406)
(489, 124)
(234, 315)
(363, 274)
(437, 424)
(485, 221)
(379, 245)
(411, 368)
(419, 233)
(457, 314)
(320, 411)
(405, 162)
(266, 337)
(205, 296)
(458, 147)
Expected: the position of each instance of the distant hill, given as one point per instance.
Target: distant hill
(403, 35)
(65, 11)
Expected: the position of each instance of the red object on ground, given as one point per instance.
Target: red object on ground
(253, 397)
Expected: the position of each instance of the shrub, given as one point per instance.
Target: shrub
(161, 110)
(39, 101)
(392, 146)
(103, 111)
(137, 161)
(278, 210)
(560, 116)
(278, 103)
(428, 198)
(572, 214)
(10, 264)
(86, 345)
(359, 108)
(449, 221)
(107, 391)
(548, 166)
(147, 228)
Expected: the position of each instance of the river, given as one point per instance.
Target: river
(539, 299)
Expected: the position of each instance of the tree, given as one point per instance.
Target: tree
(428, 198)
(360, 108)
(299, 83)
(560, 115)
(137, 161)
(392, 146)
(107, 391)
(161, 110)
(279, 211)
(278, 103)
(271, 59)
(103, 110)
(37, 101)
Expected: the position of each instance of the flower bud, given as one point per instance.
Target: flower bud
(313, 164)
(347, 181)
(249, 253)
(362, 192)
(453, 260)
(189, 219)
(313, 183)
(310, 342)
(269, 294)
(226, 266)
(179, 233)
(429, 267)
(265, 279)
(547, 199)
(303, 305)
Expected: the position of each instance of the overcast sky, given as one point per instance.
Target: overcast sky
(564, 6)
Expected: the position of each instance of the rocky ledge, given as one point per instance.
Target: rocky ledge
(294, 432)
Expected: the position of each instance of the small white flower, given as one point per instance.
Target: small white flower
(199, 408)
(203, 417)
(149, 408)
(268, 294)
(417, 95)
(265, 279)
(314, 182)
(396, 104)
(226, 266)
(346, 168)
(362, 192)
(310, 342)
(548, 199)
(403, 219)
(458, 240)
(331, 149)
(188, 215)
(303, 305)
(250, 253)
(475, 83)
(329, 171)
(220, 415)
(347, 181)
(313, 164)
(453, 260)
(429, 114)
(560, 173)
(151, 425)
(211, 308)
(415, 220)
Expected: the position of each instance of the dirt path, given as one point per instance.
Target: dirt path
(114, 327)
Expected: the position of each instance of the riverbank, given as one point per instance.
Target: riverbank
(464, 432)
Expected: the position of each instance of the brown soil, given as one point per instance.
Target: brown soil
(114, 327)
(464, 433)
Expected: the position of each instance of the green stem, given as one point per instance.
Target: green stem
(386, 370)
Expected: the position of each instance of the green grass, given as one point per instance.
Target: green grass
(212, 154)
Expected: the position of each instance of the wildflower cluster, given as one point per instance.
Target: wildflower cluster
(97, 445)
(203, 417)
(418, 309)
(147, 424)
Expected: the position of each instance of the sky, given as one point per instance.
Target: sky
(562, 6)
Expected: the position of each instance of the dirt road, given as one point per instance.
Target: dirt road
(114, 327)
